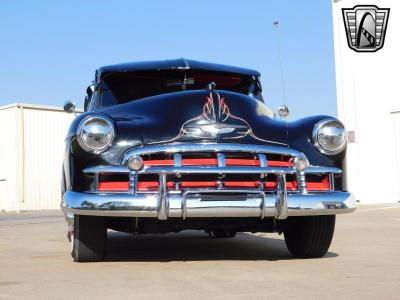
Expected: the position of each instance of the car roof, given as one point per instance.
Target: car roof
(174, 64)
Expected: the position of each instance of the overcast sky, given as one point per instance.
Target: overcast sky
(49, 50)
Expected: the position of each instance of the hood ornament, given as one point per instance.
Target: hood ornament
(215, 121)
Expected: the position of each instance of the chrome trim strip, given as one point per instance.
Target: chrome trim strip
(205, 170)
(221, 164)
(317, 169)
(212, 170)
(177, 160)
(263, 160)
(162, 192)
(262, 206)
(106, 169)
(178, 163)
(209, 147)
(301, 180)
(133, 181)
(281, 199)
(184, 206)
(228, 191)
(221, 160)
(147, 205)
(263, 163)
(332, 181)
(96, 180)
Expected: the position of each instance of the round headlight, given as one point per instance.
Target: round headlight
(329, 136)
(95, 134)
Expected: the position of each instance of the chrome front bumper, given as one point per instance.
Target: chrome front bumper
(199, 204)
(204, 203)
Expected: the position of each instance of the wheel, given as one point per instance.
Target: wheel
(309, 237)
(89, 238)
(222, 233)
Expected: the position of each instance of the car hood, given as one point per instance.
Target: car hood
(218, 116)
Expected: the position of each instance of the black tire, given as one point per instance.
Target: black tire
(89, 238)
(309, 237)
(222, 233)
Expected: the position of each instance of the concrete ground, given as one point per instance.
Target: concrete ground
(363, 263)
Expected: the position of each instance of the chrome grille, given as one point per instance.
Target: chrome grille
(180, 167)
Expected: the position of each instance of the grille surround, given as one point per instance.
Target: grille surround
(176, 167)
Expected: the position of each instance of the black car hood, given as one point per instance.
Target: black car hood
(201, 116)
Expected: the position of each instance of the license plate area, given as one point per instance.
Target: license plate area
(223, 197)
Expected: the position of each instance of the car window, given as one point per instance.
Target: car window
(117, 88)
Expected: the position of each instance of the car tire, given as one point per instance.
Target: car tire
(222, 233)
(309, 237)
(89, 238)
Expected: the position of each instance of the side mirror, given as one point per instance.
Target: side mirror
(86, 103)
(69, 107)
(89, 90)
(89, 94)
(283, 111)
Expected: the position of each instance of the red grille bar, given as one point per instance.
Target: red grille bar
(214, 162)
(324, 185)
(269, 185)
(113, 186)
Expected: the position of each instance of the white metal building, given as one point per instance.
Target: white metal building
(368, 95)
(31, 154)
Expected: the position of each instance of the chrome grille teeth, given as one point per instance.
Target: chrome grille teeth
(226, 164)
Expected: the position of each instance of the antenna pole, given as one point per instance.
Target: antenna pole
(276, 26)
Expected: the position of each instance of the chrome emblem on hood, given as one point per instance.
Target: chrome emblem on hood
(215, 121)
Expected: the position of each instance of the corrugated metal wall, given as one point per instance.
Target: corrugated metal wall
(31, 157)
(8, 159)
(44, 133)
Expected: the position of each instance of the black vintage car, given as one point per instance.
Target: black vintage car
(171, 145)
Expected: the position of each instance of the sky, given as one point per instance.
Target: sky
(49, 50)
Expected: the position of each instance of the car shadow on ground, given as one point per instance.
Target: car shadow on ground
(195, 246)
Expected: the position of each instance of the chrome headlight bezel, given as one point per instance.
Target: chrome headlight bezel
(81, 140)
(315, 137)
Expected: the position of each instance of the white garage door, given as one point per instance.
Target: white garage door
(396, 122)
(2, 194)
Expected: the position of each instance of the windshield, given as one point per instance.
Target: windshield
(117, 88)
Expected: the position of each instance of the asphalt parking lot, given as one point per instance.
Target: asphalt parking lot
(363, 263)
